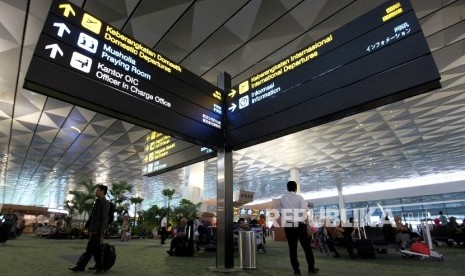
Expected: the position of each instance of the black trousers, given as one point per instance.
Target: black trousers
(164, 234)
(299, 234)
(94, 248)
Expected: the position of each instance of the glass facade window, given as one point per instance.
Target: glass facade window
(412, 209)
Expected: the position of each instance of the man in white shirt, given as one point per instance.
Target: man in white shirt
(293, 210)
(164, 229)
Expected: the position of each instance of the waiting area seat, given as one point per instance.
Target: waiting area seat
(382, 237)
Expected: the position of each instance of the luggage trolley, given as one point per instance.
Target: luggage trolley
(427, 237)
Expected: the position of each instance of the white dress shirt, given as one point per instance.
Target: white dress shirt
(293, 208)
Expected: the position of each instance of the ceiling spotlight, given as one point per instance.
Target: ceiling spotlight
(76, 129)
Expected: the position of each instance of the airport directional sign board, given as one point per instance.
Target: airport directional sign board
(83, 60)
(376, 59)
(163, 153)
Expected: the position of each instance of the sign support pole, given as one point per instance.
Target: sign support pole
(224, 225)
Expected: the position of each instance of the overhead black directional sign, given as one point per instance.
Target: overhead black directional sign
(85, 61)
(376, 59)
(163, 153)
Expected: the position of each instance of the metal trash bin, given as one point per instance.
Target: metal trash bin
(248, 249)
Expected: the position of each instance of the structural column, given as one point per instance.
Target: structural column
(195, 181)
(224, 228)
(224, 212)
(295, 177)
(342, 208)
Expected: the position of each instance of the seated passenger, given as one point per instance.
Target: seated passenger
(388, 231)
(338, 234)
(262, 221)
(454, 231)
(180, 236)
(59, 230)
(402, 234)
(452, 225)
(204, 233)
(241, 225)
(351, 229)
(442, 218)
(169, 231)
(262, 224)
(414, 236)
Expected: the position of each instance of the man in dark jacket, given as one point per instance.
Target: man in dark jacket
(96, 226)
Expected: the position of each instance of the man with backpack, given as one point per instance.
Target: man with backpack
(96, 226)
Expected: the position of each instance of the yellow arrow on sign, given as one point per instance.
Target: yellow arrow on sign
(232, 93)
(67, 9)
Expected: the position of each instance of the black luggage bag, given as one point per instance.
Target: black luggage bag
(108, 256)
(7, 225)
(365, 248)
(186, 246)
(185, 249)
(4, 232)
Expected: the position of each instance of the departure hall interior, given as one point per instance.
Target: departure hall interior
(403, 155)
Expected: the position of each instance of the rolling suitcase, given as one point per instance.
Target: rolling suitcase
(365, 248)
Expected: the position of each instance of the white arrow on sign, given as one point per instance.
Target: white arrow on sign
(61, 28)
(232, 107)
(55, 49)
